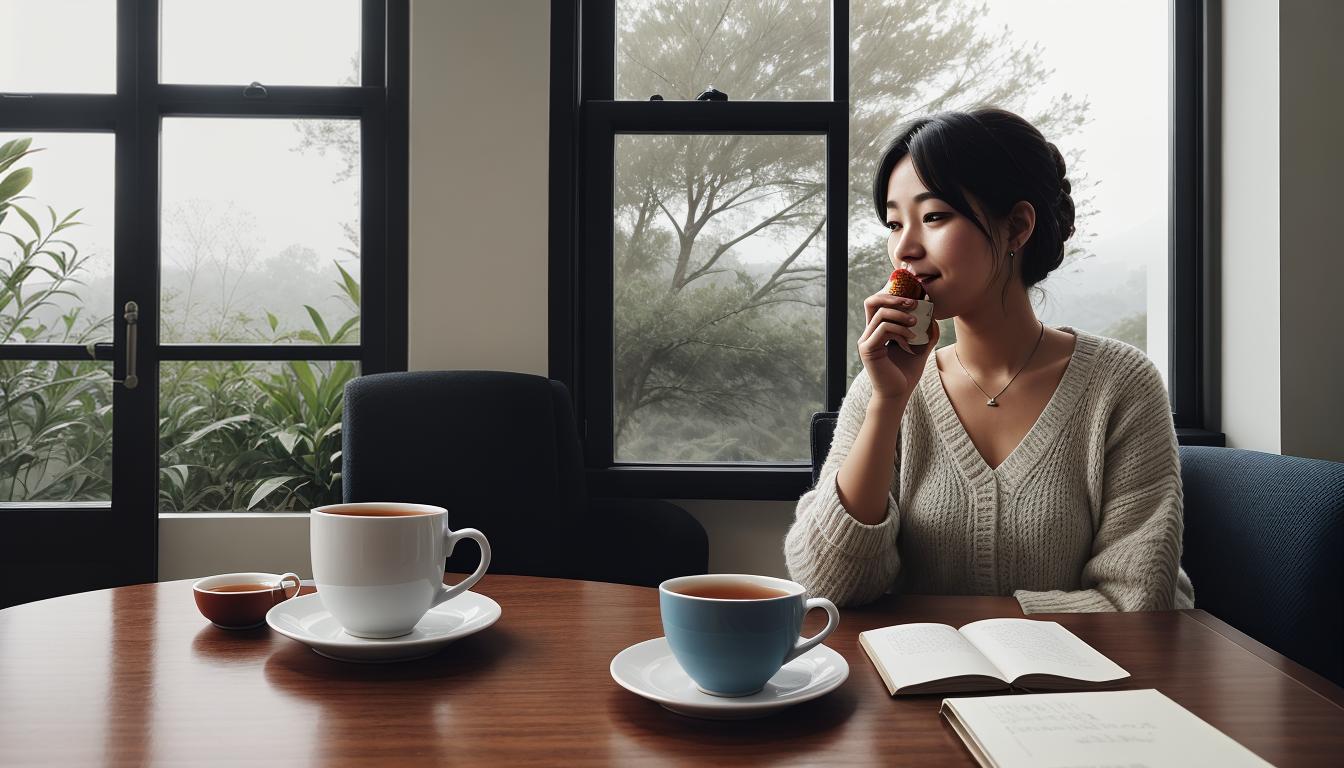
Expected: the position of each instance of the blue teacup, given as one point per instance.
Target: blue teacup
(732, 632)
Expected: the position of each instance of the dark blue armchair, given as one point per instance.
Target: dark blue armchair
(1264, 545)
(501, 452)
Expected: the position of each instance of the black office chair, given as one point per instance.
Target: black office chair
(1264, 545)
(501, 452)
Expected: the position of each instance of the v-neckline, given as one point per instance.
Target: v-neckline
(1037, 439)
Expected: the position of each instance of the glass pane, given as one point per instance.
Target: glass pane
(719, 297)
(55, 431)
(296, 42)
(261, 436)
(56, 237)
(58, 46)
(1029, 56)
(776, 50)
(260, 231)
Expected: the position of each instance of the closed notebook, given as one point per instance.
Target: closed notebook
(1097, 728)
(989, 655)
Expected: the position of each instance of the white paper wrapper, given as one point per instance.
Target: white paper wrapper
(924, 312)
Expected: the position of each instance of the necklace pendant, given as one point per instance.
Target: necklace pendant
(992, 403)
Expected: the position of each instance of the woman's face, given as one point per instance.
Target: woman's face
(944, 249)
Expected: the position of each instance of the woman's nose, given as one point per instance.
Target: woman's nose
(903, 246)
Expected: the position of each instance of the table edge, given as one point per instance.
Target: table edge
(1313, 681)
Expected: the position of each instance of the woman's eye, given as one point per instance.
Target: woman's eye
(928, 217)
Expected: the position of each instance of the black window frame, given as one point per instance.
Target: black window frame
(133, 114)
(586, 118)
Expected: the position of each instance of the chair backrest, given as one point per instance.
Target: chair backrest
(499, 450)
(1264, 548)
(823, 430)
(1264, 545)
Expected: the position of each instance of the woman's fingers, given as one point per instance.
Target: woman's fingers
(894, 317)
(884, 299)
(882, 334)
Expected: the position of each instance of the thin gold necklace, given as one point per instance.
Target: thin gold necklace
(993, 401)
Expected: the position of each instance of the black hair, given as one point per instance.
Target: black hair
(999, 158)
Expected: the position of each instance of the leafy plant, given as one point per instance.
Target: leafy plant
(233, 435)
(56, 437)
(237, 435)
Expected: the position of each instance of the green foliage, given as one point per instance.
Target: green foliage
(55, 432)
(1131, 330)
(244, 435)
(233, 436)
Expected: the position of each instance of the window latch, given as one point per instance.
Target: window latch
(104, 351)
(713, 94)
(255, 91)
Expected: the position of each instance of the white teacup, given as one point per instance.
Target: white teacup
(923, 313)
(379, 566)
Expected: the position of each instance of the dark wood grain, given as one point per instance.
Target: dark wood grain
(135, 676)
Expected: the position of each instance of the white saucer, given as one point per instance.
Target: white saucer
(649, 670)
(306, 620)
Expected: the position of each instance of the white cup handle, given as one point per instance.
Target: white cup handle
(450, 541)
(280, 584)
(806, 644)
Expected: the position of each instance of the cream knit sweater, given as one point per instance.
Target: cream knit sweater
(1084, 515)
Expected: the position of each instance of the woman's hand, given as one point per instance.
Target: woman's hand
(893, 369)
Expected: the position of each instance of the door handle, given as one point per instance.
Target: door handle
(132, 317)
(103, 350)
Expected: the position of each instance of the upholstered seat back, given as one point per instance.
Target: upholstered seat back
(499, 450)
(1264, 548)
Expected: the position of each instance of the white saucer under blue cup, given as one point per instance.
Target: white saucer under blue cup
(732, 645)
(648, 669)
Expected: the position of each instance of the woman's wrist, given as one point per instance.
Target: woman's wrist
(886, 406)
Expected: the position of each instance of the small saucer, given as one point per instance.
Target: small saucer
(306, 620)
(648, 669)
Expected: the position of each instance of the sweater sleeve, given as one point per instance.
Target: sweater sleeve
(1136, 552)
(829, 552)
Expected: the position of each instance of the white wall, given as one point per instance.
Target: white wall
(478, 298)
(1282, 260)
(480, 115)
(1311, 243)
(1251, 413)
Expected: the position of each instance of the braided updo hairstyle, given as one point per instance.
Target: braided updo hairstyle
(999, 158)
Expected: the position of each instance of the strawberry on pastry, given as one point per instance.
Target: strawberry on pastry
(905, 284)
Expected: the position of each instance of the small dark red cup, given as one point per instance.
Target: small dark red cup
(242, 608)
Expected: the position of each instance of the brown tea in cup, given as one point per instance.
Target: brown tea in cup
(740, 590)
(240, 588)
(375, 512)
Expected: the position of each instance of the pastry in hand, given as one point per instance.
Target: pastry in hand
(905, 284)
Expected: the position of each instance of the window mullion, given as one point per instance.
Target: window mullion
(837, 209)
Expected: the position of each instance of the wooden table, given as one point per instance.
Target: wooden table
(135, 676)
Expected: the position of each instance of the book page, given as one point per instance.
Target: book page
(1092, 728)
(1028, 647)
(918, 653)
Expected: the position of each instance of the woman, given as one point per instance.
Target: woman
(1026, 460)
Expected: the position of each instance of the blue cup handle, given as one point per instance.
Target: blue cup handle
(806, 644)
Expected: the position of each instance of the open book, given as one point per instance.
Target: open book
(1094, 728)
(989, 655)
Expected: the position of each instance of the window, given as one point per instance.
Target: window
(708, 303)
(202, 237)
